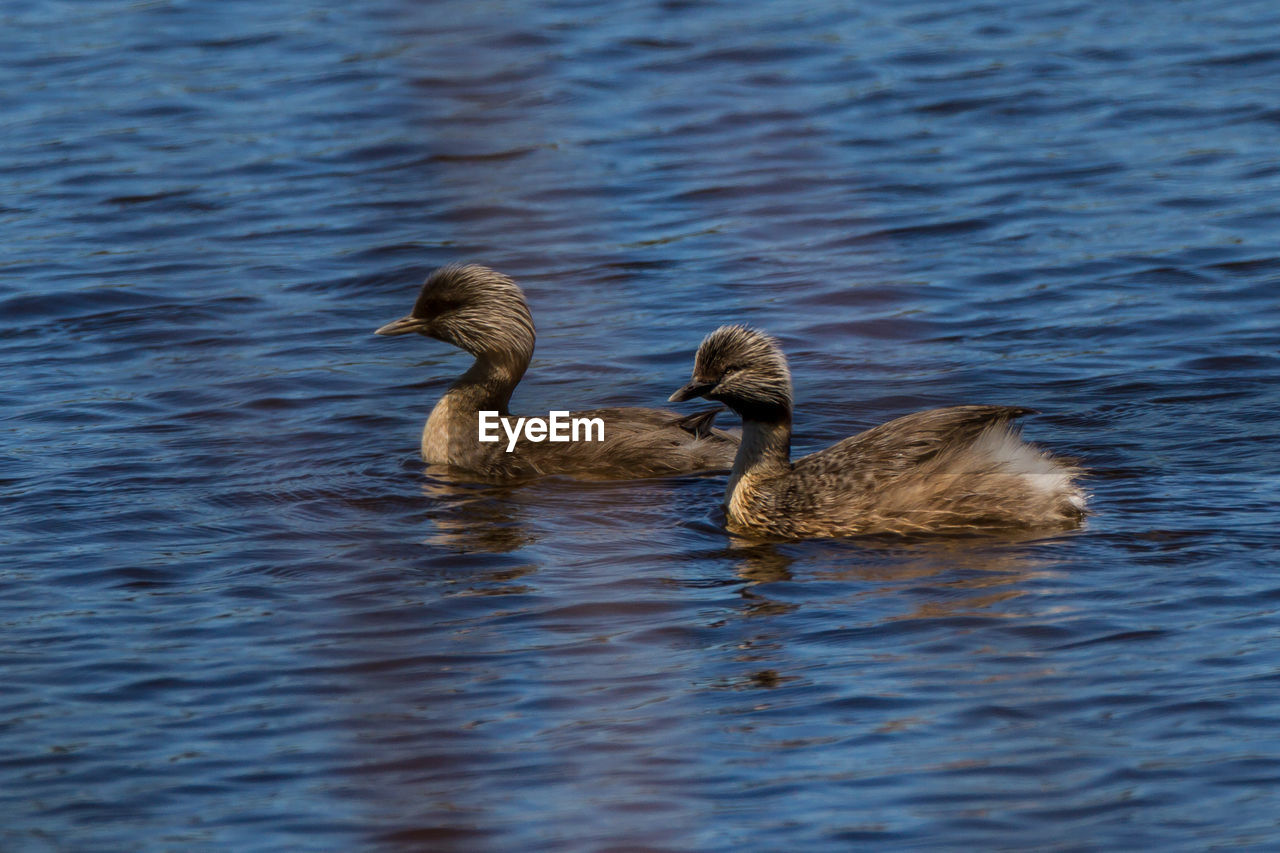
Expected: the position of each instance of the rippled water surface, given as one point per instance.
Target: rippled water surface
(235, 613)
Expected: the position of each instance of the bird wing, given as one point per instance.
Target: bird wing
(905, 443)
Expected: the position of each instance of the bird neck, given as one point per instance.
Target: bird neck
(488, 383)
(502, 351)
(765, 450)
(450, 434)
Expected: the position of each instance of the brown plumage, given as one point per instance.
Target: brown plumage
(485, 313)
(962, 468)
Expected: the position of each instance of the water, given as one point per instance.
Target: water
(234, 614)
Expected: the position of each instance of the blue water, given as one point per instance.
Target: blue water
(235, 613)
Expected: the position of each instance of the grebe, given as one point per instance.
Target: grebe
(485, 313)
(962, 468)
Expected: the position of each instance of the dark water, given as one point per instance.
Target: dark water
(235, 615)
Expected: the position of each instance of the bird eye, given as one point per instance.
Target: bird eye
(437, 307)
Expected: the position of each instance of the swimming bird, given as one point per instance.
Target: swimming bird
(485, 313)
(962, 468)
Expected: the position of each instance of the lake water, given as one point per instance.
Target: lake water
(235, 614)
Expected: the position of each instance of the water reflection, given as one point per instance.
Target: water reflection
(474, 516)
(882, 593)
(993, 569)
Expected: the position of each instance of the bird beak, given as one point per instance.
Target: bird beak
(403, 326)
(688, 392)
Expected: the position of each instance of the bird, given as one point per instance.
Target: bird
(485, 313)
(948, 470)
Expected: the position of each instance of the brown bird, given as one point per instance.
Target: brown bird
(485, 313)
(962, 468)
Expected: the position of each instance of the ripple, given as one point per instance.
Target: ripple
(234, 592)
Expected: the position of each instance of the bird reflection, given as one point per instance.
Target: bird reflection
(758, 564)
(992, 570)
(855, 581)
(984, 574)
(471, 517)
